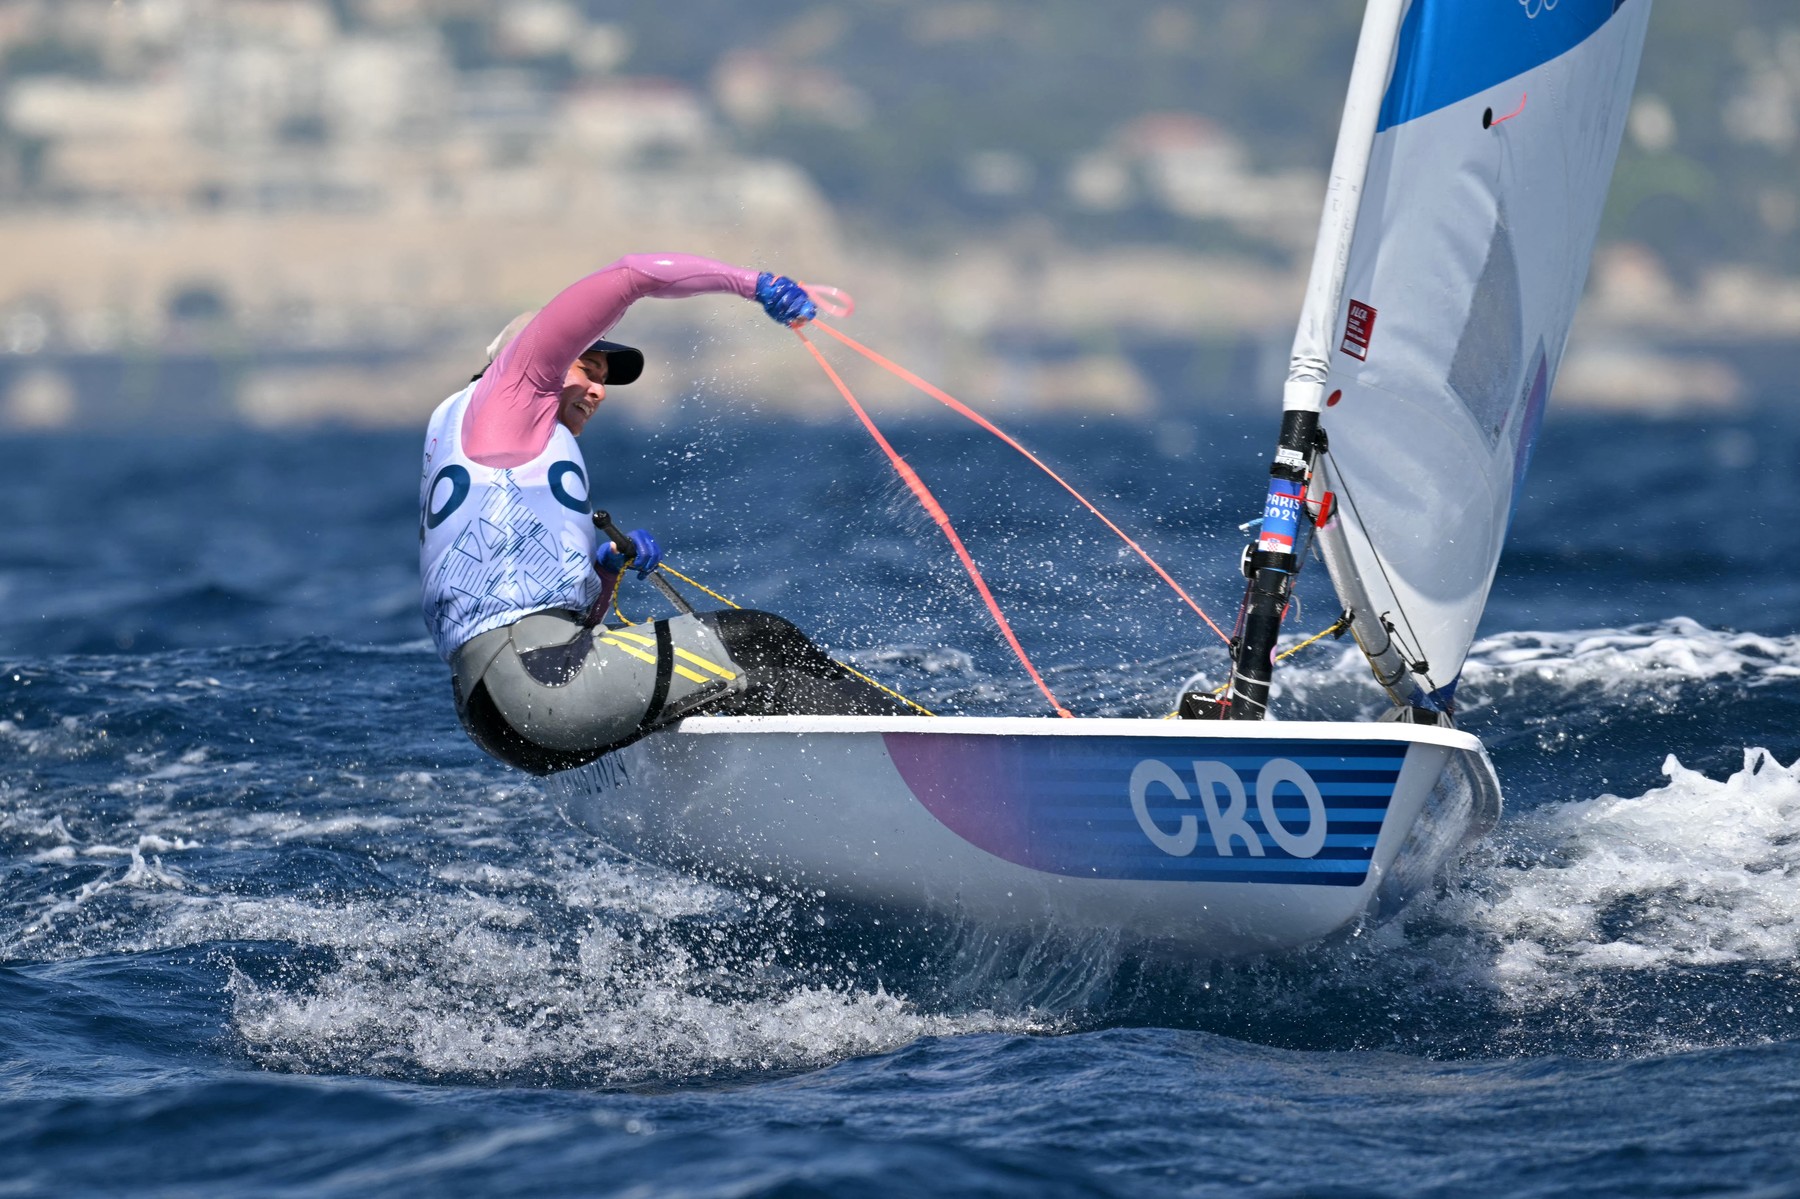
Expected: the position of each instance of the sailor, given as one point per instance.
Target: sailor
(516, 579)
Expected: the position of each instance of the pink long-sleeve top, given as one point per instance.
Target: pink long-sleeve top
(514, 407)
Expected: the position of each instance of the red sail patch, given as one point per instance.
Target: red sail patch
(1359, 327)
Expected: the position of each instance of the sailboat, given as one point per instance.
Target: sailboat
(1473, 158)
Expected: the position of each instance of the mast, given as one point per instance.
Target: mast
(1271, 562)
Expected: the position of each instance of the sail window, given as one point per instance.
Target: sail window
(1484, 372)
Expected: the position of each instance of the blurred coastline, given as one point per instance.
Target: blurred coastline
(286, 212)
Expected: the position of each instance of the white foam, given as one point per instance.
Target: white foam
(471, 984)
(484, 875)
(662, 897)
(65, 739)
(145, 872)
(1675, 650)
(337, 826)
(188, 765)
(547, 960)
(1660, 660)
(148, 843)
(33, 825)
(1698, 872)
(489, 1006)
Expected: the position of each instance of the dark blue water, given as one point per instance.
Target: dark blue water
(271, 925)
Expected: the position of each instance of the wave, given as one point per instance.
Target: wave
(1661, 660)
(436, 925)
(466, 988)
(1699, 872)
(1657, 659)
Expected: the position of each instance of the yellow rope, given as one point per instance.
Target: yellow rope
(666, 568)
(880, 687)
(700, 586)
(1335, 628)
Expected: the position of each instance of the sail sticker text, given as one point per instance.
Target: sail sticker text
(1359, 330)
(1226, 822)
(1281, 517)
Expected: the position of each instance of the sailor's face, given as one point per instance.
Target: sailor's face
(584, 387)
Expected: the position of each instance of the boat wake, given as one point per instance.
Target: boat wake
(1695, 874)
(478, 987)
(1668, 653)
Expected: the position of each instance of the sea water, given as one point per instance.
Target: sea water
(271, 925)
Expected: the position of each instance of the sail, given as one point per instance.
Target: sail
(1495, 143)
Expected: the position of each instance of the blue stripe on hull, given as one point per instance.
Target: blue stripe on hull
(1071, 807)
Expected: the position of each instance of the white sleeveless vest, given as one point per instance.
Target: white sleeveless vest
(498, 543)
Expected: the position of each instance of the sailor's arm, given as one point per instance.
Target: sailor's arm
(514, 408)
(587, 309)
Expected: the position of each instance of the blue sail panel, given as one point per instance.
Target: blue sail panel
(1452, 49)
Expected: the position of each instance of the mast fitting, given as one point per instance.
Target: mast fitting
(1271, 562)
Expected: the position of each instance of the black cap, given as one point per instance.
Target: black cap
(623, 363)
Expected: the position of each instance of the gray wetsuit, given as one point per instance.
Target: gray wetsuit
(549, 692)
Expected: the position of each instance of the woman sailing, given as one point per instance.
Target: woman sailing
(516, 577)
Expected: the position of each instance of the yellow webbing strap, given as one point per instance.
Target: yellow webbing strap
(721, 671)
(686, 655)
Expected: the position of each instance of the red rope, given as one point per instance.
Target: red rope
(923, 494)
(1515, 112)
(963, 409)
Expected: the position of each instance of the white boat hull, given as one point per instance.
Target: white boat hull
(1205, 839)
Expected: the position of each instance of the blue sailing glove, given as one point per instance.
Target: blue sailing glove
(784, 300)
(646, 555)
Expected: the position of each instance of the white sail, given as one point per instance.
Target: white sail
(1497, 135)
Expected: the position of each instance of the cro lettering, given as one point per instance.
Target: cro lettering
(1223, 802)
